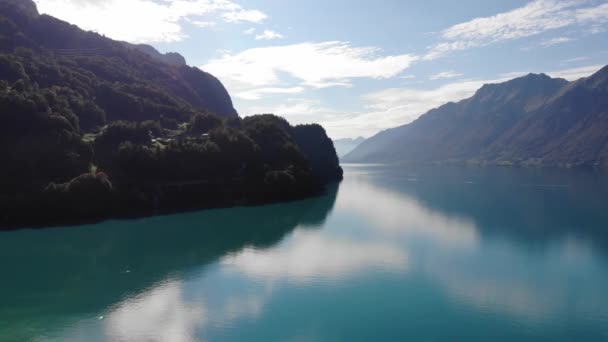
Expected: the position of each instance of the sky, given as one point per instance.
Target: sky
(357, 67)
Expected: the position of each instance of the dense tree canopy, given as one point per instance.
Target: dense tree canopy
(90, 127)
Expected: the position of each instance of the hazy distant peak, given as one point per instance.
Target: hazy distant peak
(346, 145)
(351, 140)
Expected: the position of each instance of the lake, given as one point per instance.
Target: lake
(391, 254)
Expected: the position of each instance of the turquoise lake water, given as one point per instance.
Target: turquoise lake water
(391, 254)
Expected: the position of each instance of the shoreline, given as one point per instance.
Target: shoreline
(8, 226)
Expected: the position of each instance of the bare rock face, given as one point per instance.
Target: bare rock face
(26, 7)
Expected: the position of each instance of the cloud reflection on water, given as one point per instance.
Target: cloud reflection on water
(395, 214)
(397, 234)
(500, 275)
(160, 314)
(313, 256)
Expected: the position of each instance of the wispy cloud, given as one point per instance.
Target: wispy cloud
(200, 23)
(258, 93)
(269, 35)
(443, 75)
(337, 122)
(575, 59)
(534, 18)
(575, 73)
(556, 41)
(249, 31)
(154, 21)
(412, 102)
(571, 74)
(597, 17)
(241, 15)
(317, 65)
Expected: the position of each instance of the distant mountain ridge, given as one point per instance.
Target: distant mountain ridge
(346, 145)
(531, 120)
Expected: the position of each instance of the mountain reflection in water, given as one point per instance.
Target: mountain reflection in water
(393, 253)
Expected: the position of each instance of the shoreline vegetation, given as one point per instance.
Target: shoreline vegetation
(221, 169)
(92, 129)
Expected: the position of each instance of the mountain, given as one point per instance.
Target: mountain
(172, 58)
(123, 80)
(92, 128)
(345, 146)
(25, 7)
(531, 120)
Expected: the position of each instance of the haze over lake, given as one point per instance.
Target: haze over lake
(391, 254)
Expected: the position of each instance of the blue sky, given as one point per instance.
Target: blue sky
(357, 67)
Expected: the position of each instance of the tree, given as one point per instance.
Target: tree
(203, 123)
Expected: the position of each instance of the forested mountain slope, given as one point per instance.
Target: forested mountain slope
(94, 128)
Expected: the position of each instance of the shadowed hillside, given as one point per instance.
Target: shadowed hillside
(532, 120)
(92, 128)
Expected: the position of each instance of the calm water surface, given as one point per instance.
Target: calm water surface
(392, 254)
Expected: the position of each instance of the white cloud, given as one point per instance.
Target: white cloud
(337, 123)
(597, 17)
(204, 23)
(534, 18)
(575, 73)
(154, 21)
(252, 16)
(418, 101)
(258, 93)
(313, 64)
(298, 111)
(258, 73)
(575, 59)
(556, 41)
(443, 75)
(249, 31)
(398, 106)
(269, 35)
(568, 74)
